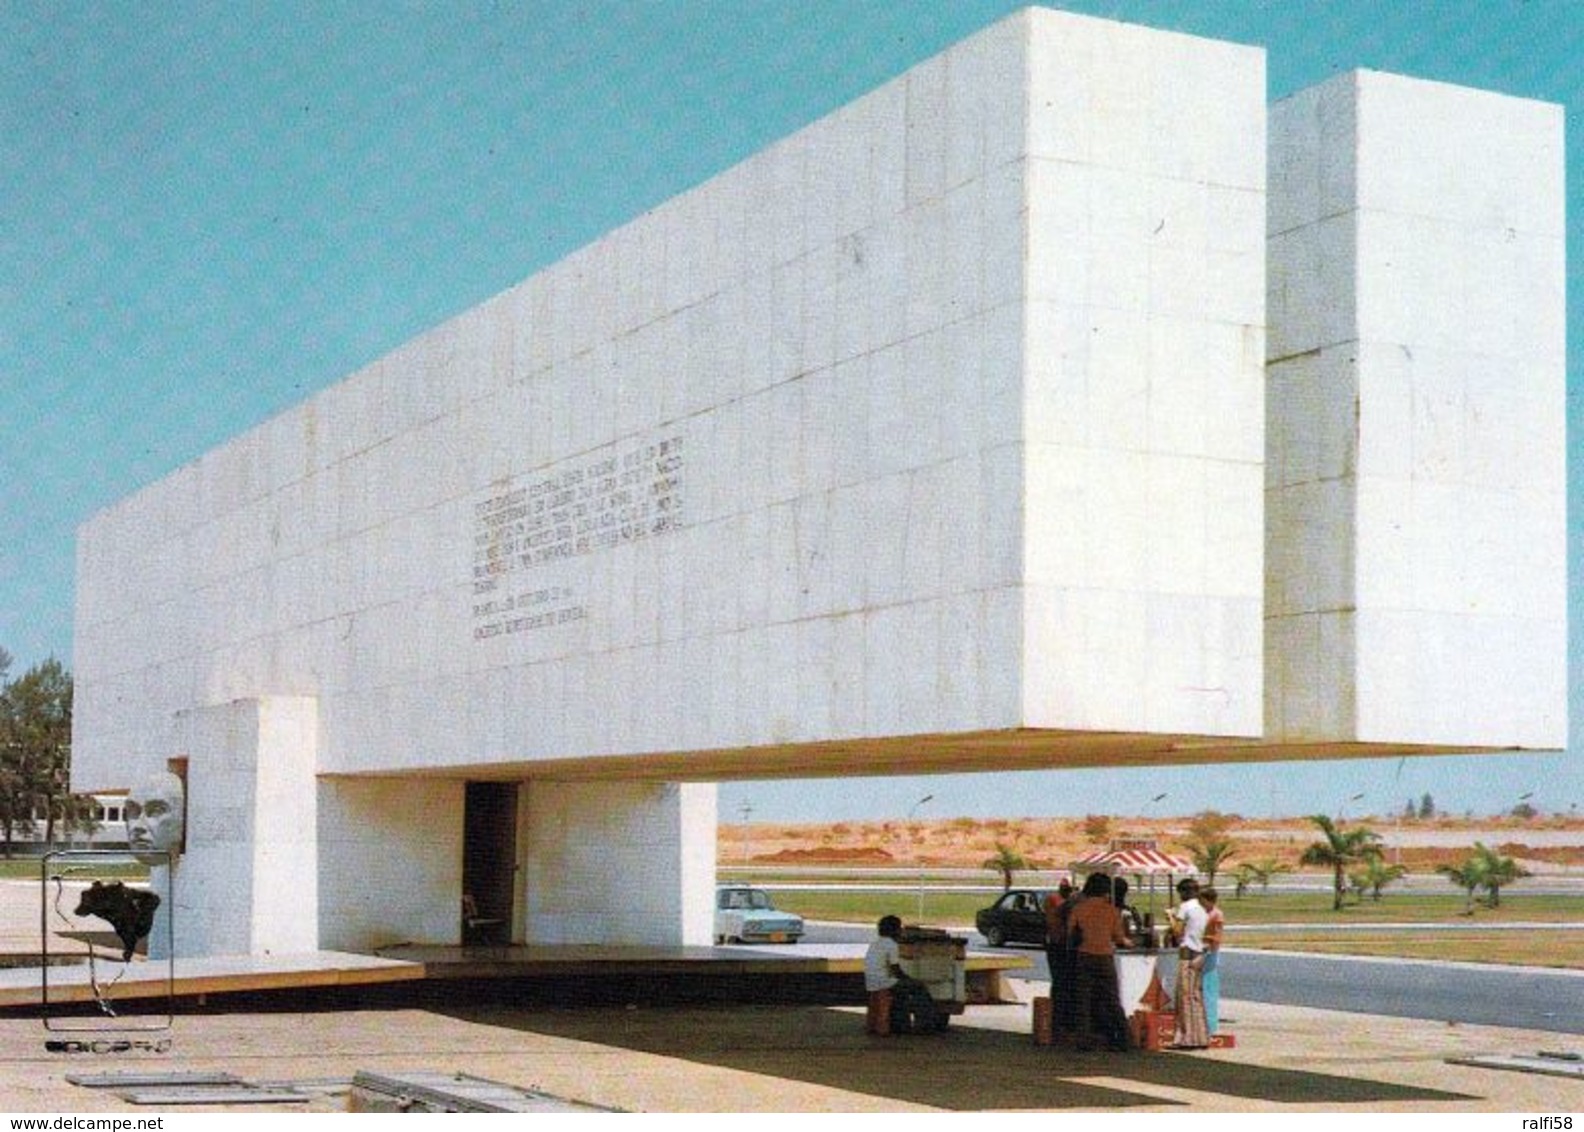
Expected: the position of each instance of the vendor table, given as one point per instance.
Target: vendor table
(1137, 980)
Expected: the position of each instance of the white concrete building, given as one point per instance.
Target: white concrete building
(934, 436)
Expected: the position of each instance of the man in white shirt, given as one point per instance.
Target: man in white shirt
(912, 1007)
(1194, 917)
(1192, 1030)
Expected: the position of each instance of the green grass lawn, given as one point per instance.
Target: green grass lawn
(1462, 939)
(27, 868)
(1401, 907)
(1539, 948)
(1255, 909)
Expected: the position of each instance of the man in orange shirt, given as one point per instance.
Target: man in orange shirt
(1095, 930)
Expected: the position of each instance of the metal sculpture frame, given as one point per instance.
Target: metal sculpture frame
(109, 1020)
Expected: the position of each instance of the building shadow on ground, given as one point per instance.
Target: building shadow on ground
(796, 1031)
(965, 1069)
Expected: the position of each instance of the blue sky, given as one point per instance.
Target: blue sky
(208, 211)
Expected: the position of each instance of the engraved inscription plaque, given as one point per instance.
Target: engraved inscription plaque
(622, 493)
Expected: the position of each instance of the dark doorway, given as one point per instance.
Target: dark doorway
(489, 858)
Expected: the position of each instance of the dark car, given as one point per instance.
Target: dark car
(1018, 917)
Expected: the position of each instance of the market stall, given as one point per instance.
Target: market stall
(1154, 874)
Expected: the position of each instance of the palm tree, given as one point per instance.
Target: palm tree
(1006, 862)
(1467, 876)
(1375, 874)
(1264, 870)
(1497, 871)
(1209, 854)
(1244, 876)
(1340, 849)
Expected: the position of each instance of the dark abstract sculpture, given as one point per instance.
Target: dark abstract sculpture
(130, 911)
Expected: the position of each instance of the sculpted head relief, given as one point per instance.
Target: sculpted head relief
(156, 815)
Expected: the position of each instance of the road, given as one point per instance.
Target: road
(1526, 997)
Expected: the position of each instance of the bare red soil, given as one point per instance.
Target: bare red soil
(1544, 844)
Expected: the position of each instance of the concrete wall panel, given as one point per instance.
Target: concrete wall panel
(1416, 480)
(391, 862)
(785, 396)
(1143, 391)
(621, 863)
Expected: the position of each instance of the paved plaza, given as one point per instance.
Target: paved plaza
(792, 1056)
(804, 1058)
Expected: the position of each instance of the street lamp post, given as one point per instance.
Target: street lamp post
(745, 808)
(918, 857)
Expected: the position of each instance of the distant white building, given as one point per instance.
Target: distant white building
(1055, 404)
(104, 828)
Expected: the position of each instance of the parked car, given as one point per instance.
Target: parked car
(1018, 917)
(747, 915)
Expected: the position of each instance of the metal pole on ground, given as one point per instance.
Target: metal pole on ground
(918, 858)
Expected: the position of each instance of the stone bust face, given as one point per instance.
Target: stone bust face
(156, 815)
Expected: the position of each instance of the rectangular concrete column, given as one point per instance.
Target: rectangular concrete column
(1416, 468)
(248, 882)
(390, 861)
(620, 862)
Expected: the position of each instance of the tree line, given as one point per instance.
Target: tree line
(1355, 856)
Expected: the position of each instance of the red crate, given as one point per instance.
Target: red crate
(1154, 1029)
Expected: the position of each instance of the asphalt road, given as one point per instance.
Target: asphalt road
(1525, 997)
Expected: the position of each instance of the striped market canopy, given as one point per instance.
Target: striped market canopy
(1147, 860)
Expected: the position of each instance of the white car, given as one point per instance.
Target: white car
(747, 915)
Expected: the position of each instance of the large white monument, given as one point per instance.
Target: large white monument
(935, 436)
